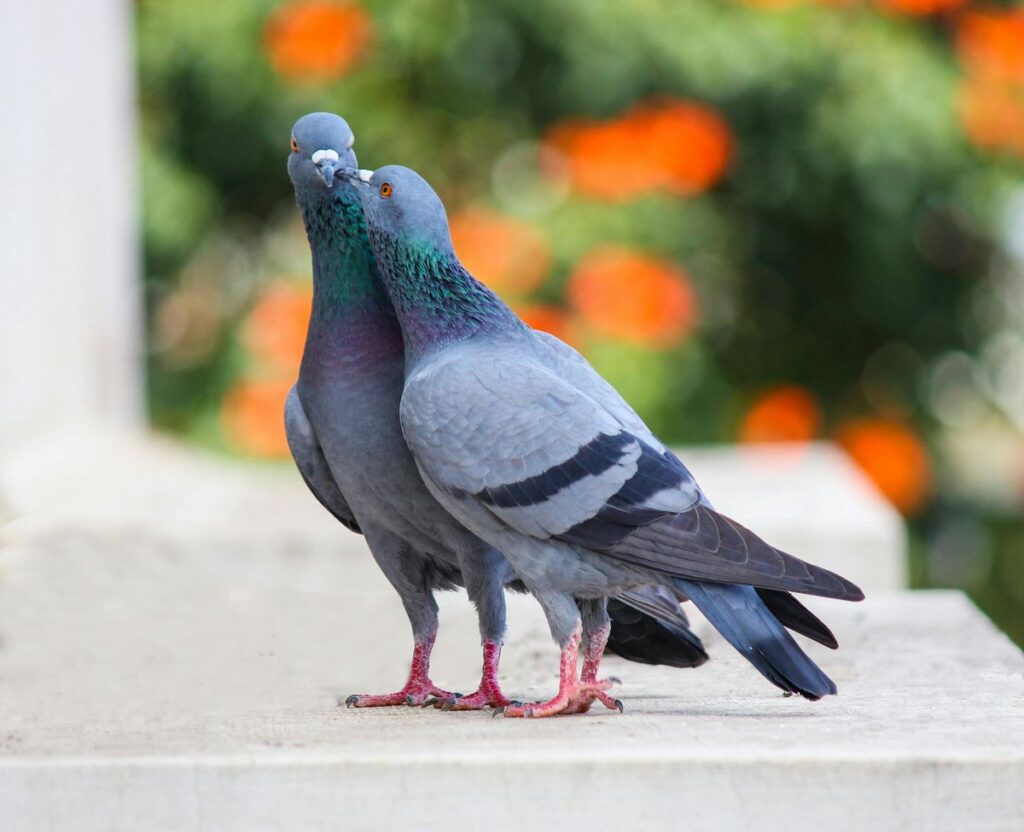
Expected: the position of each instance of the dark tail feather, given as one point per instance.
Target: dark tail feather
(665, 606)
(794, 615)
(739, 614)
(646, 630)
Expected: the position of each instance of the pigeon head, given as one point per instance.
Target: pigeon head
(400, 204)
(321, 146)
(436, 298)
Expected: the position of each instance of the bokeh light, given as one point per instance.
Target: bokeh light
(507, 254)
(626, 294)
(275, 329)
(990, 103)
(892, 455)
(548, 318)
(787, 413)
(317, 41)
(252, 416)
(919, 8)
(991, 43)
(681, 147)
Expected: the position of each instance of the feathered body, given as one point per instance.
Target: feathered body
(522, 441)
(343, 429)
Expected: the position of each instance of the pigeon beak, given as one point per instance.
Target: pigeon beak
(326, 163)
(356, 176)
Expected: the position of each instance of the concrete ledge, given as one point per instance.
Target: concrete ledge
(136, 694)
(516, 793)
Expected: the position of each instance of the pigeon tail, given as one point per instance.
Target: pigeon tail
(739, 614)
(649, 636)
(796, 617)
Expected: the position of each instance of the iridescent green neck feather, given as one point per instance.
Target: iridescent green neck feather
(437, 300)
(345, 279)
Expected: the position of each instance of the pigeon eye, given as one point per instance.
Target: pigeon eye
(386, 190)
(295, 145)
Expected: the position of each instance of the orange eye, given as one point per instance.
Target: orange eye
(295, 145)
(386, 190)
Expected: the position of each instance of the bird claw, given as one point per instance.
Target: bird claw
(410, 696)
(499, 710)
(577, 701)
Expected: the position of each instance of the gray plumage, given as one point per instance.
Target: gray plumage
(341, 420)
(524, 442)
(342, 424)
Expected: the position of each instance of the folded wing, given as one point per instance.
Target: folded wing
(500, 429)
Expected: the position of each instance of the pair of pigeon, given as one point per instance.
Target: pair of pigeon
(472, 450)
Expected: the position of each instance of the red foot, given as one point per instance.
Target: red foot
(489, 694)
(591, 688)
(574, 696)
(409, 695)
(588, 693)
(417, 689)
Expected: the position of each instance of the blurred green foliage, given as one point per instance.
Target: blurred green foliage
(857, 241)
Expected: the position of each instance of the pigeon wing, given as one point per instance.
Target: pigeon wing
(312, 464)
(496, 427)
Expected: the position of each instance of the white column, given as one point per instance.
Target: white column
(69, 294)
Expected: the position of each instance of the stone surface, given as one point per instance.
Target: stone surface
(176, 630)
(144, 688)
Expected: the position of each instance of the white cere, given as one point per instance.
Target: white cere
(320, 155)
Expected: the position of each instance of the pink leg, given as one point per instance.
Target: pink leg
(574, 695)
(590, 687)
(568, 684)
(417, 689)
(489, 693)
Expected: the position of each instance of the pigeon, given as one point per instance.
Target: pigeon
(526, 444)
(341, 420)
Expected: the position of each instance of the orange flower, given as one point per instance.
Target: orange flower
(678, 146)
(252, 416)
(991, 44)
(603, 160)
(507, 254)
(689, 143)
(771, 4)
(316, 41)
(893, 457)
(275, 331)
(919, 8)
(783, 414)
(992, 115)
(626, 294)
(547, 318)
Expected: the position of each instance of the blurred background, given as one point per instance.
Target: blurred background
(768, 220)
